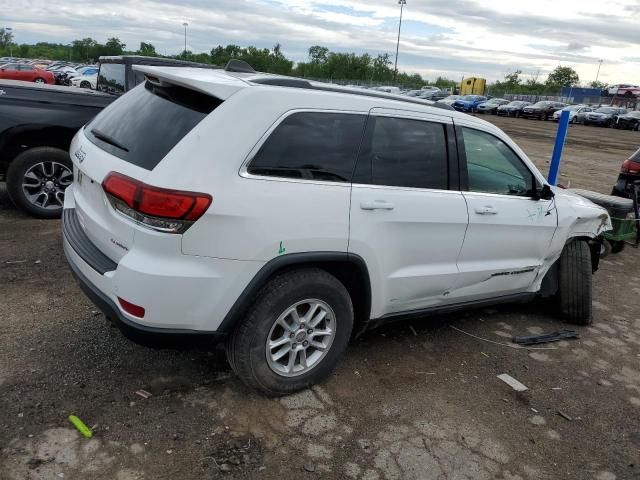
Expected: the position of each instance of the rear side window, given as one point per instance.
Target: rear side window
(312, 146)
(111, 78)
(144, 125)
(408, 153)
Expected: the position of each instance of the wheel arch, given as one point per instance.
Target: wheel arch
(23, 137)
(350, 269)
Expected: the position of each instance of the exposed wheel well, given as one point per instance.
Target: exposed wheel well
(349, 269)
(22, 138)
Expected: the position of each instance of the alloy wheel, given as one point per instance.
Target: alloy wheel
(44, 184)
(300, 337)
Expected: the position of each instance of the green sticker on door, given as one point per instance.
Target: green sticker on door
(281, 250)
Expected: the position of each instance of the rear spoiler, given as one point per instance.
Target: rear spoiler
(209, 82)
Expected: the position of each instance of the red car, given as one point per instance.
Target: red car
(27, 73)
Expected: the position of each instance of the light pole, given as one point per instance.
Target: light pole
(598, 73)
(402, 3)
(10, 30)
(185, 24)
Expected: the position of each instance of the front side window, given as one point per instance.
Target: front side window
(408, 153)
(493, 167)
(311, 146)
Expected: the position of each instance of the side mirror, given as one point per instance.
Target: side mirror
(544, 193)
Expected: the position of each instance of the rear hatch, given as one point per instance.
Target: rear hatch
(131, 137)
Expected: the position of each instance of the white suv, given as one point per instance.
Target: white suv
(288, 215)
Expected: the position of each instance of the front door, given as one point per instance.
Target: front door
(405, 221)
(509, 232)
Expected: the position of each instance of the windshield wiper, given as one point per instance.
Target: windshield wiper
(108, 139)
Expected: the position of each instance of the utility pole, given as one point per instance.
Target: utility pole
(598, 73)
(402, 3)
(185, 24)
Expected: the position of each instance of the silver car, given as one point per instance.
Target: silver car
(577, 113)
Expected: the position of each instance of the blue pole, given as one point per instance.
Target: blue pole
(554, 168)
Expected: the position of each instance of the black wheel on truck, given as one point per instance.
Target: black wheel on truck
(37, 179)
(294, 333)
(575, 283)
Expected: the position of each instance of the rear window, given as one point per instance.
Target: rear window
(142, 126)
(111, 78)
(636, 156)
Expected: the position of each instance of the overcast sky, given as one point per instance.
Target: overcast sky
(439, 37)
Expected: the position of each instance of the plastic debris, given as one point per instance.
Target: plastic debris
(513, 383)
(413, 330)
(143, 393)
(80, 426)
(309, 467)
(565, 416)
(545, 337)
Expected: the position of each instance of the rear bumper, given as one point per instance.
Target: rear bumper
(180, 293)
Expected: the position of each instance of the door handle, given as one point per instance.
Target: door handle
(376, 205)
(486, 210)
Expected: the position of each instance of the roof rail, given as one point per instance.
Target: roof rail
(238, 66)
(282, 81)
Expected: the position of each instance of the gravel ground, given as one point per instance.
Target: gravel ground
(415, 400)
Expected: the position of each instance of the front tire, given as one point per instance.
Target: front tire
(293, 334)
(575, 283)
(39, 80)
(85, 84)
(37, 179)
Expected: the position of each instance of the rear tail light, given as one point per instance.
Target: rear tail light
(161, 209)
(629, 166)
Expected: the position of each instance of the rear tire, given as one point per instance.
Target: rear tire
(247, 350)
(39, 80)
(56, 173)
(575, 283)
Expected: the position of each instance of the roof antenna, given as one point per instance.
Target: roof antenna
(238, 66)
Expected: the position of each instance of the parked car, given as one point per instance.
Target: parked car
(491, 105)
(189, 226)
(433, 95)
(577, 113)
(468, 103)
(413, 93)
(38, 123)
(542, 110)
(629, 172)
(628, 121)
(394, 90)
(430, 88)
(26, 73)
(512, 109)
(604, 116)
(85, 81)
(450, 100)
(626, 89)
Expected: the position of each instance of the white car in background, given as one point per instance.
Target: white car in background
(85, 81)
(328, 213)
(626, 89)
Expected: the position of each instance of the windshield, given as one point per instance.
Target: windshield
(634, 114)
(606, 110)
(470, 97)
(542, 104)
(572, 108)
(111, 78)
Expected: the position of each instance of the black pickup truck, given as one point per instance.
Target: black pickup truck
(38, 122)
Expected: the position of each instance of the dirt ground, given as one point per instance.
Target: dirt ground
(415, 400)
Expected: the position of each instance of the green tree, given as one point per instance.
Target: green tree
(318, 54)
(598, 84)
(113, 47)
(6, 37)
(147, 49)
(562, 77)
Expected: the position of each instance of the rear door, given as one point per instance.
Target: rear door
(406, 223)
(26, 73)
(509, 232)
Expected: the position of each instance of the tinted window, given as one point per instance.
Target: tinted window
(26, 68)
(311, 145)
(493, 167)
(111, 78)
(408, 153)
(144, 125)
